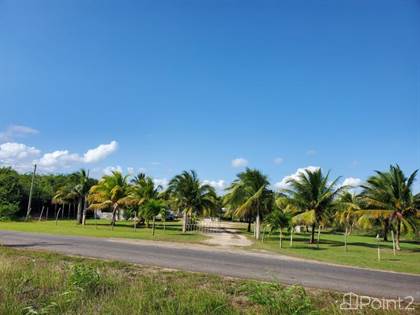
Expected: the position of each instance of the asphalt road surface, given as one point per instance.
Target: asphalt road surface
(226, 262)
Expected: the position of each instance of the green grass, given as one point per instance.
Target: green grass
(46, 283)
(123, 229)
(362, 251)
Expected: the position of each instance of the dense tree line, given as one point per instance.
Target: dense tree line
(385, 202)
(15, 187)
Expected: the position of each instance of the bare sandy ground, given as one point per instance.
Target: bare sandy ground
(226, 236)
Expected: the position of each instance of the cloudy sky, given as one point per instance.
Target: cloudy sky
(216, 86)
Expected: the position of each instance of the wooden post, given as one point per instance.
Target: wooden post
(291, 236)
(42, 212)
(281, 238)
(56, 218)
(345, 240)
(393, 242)
(28, 211)
(257, 226)
(319, 232)
(379, 249)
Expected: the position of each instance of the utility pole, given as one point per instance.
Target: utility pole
(28, 211)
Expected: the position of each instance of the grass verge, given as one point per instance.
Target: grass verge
(101, 228)
(47, 283)
(362, 251)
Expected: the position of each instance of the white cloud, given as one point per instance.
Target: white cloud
(239, 162)
(284, 182)
(63, 158)
(16, 131)
(17, 151)
(59, 158)
(21, 157)
(352, 181)
(311, 152)
(130, 170)
(217, 184)
(109, 169)
(161, 181)
(18, 155)
(278, 160)
(100, 152)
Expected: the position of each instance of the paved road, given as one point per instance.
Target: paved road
(234, 263)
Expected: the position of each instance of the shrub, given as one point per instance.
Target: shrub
(84, 277)
(281, 300)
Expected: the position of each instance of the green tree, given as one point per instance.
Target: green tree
(348, 207)
(151, 209)
(190, 196)
(10, 192)
(109, 193)
(142, 190)
(249, 196)
(313, 196)
(80, 192)
(389, 196)
(278, 219)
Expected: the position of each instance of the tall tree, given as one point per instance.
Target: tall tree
(249, 197)
(389, 195)
(109, 193)
(10, 192)
(348, 208)
(81, 190)
(190, 196)
(142, 190)
(313, 195)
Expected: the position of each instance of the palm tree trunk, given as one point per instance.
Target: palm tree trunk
(312, 241)
(79, 211)
(281, 238)
(257, 226)
(397, 245)
(184, 223)
(345, 239)
(386, 228)
(114, 212)
(291, 236)
(84, 211)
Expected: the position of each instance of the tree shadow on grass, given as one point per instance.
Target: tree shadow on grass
(35, 244)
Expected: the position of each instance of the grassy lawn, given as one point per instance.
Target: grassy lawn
(45, 283)
(362, 251)
(102, 228)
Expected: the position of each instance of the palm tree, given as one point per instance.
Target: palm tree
(348, 207)
(190, 196)
(389, 195)
(63, 196)
(313, 196)
(151, 209)
(277, 220)
(110, 192)
(249, 197)
(80, 191)
(142, 191)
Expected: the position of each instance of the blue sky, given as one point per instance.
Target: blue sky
(196, 84)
